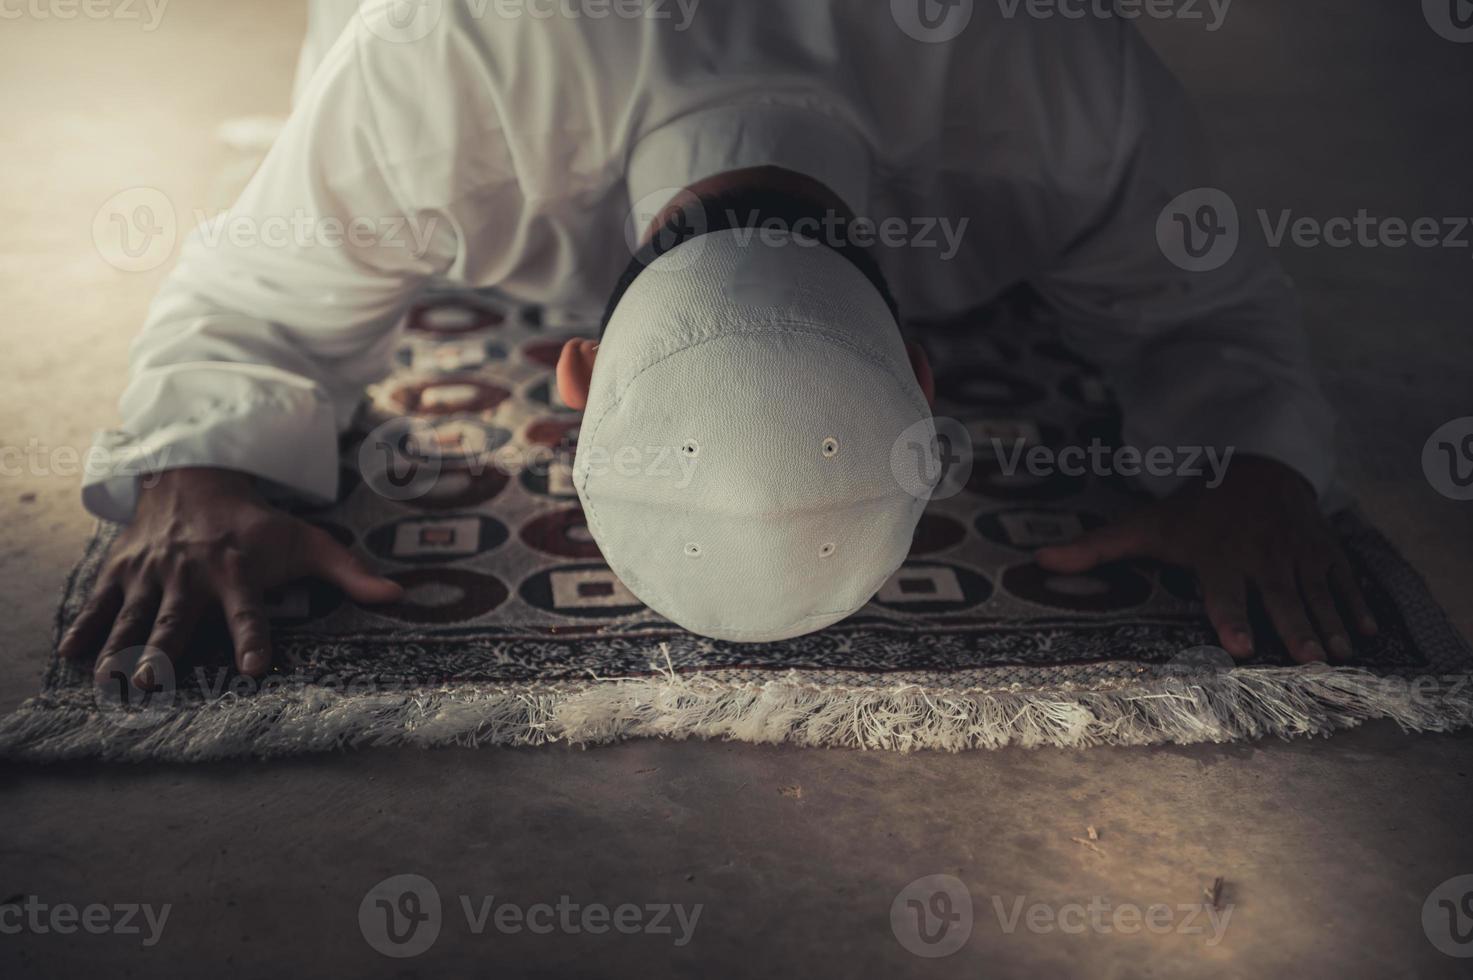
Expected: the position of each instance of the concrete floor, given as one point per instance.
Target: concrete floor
(1328, 848)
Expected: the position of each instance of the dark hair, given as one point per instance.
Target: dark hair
(751, 208)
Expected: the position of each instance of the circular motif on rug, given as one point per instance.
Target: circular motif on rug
(929, 588)
(451, 395)
(463, 441)
(563, 533)
(582, 591)
(462, 488)
(987, 387)
(438, 596)
(451, 538)
(554, 433)
(451, 317)
(1027, 529)
(1109, 588)
(544, 353)
(936, 532)
(1020, 459)
(551, 476)
(452, 358)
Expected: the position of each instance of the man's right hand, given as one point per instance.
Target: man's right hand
(204, 539)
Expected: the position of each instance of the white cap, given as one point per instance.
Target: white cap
(734, 461)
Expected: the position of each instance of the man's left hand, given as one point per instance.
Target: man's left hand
(1260, 529)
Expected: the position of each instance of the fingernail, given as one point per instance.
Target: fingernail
(1245, 639)
(253, 663)
(1313, 651)
(1369, 625)
(1340, 647)
(143, 678)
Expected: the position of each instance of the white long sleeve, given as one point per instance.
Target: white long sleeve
(518, 152)
(1197, 359)
(255, 352)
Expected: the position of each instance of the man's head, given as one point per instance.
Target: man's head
(741, 413)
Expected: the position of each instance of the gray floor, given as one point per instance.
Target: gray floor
(1328, 848)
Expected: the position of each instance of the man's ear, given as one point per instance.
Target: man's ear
(575, 372)
(921, 365)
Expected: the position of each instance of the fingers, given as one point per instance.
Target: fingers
(92, 625)
(1281, 599)
(130, 630)
(338, 565)
(174, 624)
(1342, 577)
(1316, 588)
(1128, 539)
(1225, 593)
(250, 630)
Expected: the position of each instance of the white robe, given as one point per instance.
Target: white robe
(461, 141)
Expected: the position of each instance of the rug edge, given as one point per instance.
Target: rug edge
(1233, 705)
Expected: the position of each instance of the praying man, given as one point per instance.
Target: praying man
(457, 142)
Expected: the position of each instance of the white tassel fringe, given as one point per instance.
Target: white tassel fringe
(1214, 707)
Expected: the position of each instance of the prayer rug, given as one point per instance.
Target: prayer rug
(514, 631)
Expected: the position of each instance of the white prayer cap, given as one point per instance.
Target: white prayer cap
(734, 460)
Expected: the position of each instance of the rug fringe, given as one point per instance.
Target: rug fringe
(1216, 707)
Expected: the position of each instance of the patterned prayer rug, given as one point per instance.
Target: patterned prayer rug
(513, 631)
